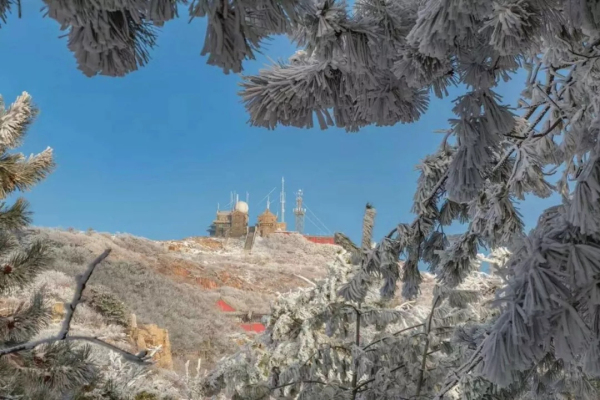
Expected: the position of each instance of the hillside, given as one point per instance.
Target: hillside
(176, 284)
(93, 319)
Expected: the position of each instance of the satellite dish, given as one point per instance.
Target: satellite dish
(241, 206)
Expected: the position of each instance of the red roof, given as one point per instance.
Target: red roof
(313, 238)
(224, 306)
(254, 327)
(320, 239)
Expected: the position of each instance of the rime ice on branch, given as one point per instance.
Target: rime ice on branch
(378, 64)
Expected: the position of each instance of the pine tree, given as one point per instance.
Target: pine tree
(25, 374)
(58, 367)
(320, 346)
(378, 63)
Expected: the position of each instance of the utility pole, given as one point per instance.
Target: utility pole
(282, 200)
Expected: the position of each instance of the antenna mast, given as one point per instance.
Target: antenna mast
(299, 212)
(282, 200)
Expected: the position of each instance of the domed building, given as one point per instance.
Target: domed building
(239, 220)
(231, 223)
(234, 222)
(242, 207)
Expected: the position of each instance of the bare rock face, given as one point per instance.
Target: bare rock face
(149, 336)
(58, 311)
(346, 243)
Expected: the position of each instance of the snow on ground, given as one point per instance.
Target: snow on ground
(176, 284)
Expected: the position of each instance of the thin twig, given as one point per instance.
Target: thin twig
(547, 131)
(475, 359)
(31, 345)
(392, 335)
(426, 348)
(373, 379)
(357, 343)
(549, 81)
(305, 279)
(536, 122)
(430, 197)
(125, 354)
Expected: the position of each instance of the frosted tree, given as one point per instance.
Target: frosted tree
(115, 37)
(378, 63)
(320, 346)
(21, 262)
(48, 368)
(404, 350)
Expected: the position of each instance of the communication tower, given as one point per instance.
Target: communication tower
(299, 212)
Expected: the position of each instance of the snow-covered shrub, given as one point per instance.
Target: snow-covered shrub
(317, 345)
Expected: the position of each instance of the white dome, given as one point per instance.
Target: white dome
(241, 206)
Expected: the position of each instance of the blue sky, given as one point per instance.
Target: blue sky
(154, 152)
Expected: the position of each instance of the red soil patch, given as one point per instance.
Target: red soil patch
(207, 283)
(228, 280)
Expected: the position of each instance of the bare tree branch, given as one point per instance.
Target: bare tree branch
(426, 348)
(82, 282)
(475, 359)
(392, 335)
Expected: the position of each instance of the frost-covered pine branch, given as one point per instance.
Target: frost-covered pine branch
(492, 157)
(312, 348)
(59, 365)
(378, 63)
(115, 38)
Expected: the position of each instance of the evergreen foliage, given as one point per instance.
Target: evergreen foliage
(489, 159)
(44, 371)
(378, 63)
(320, 346)
(108, 305)
(317, 345)
(57, 367)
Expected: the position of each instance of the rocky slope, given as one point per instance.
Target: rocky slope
(176, 284)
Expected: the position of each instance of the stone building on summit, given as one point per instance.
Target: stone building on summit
(234, 223)
(267, 224)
